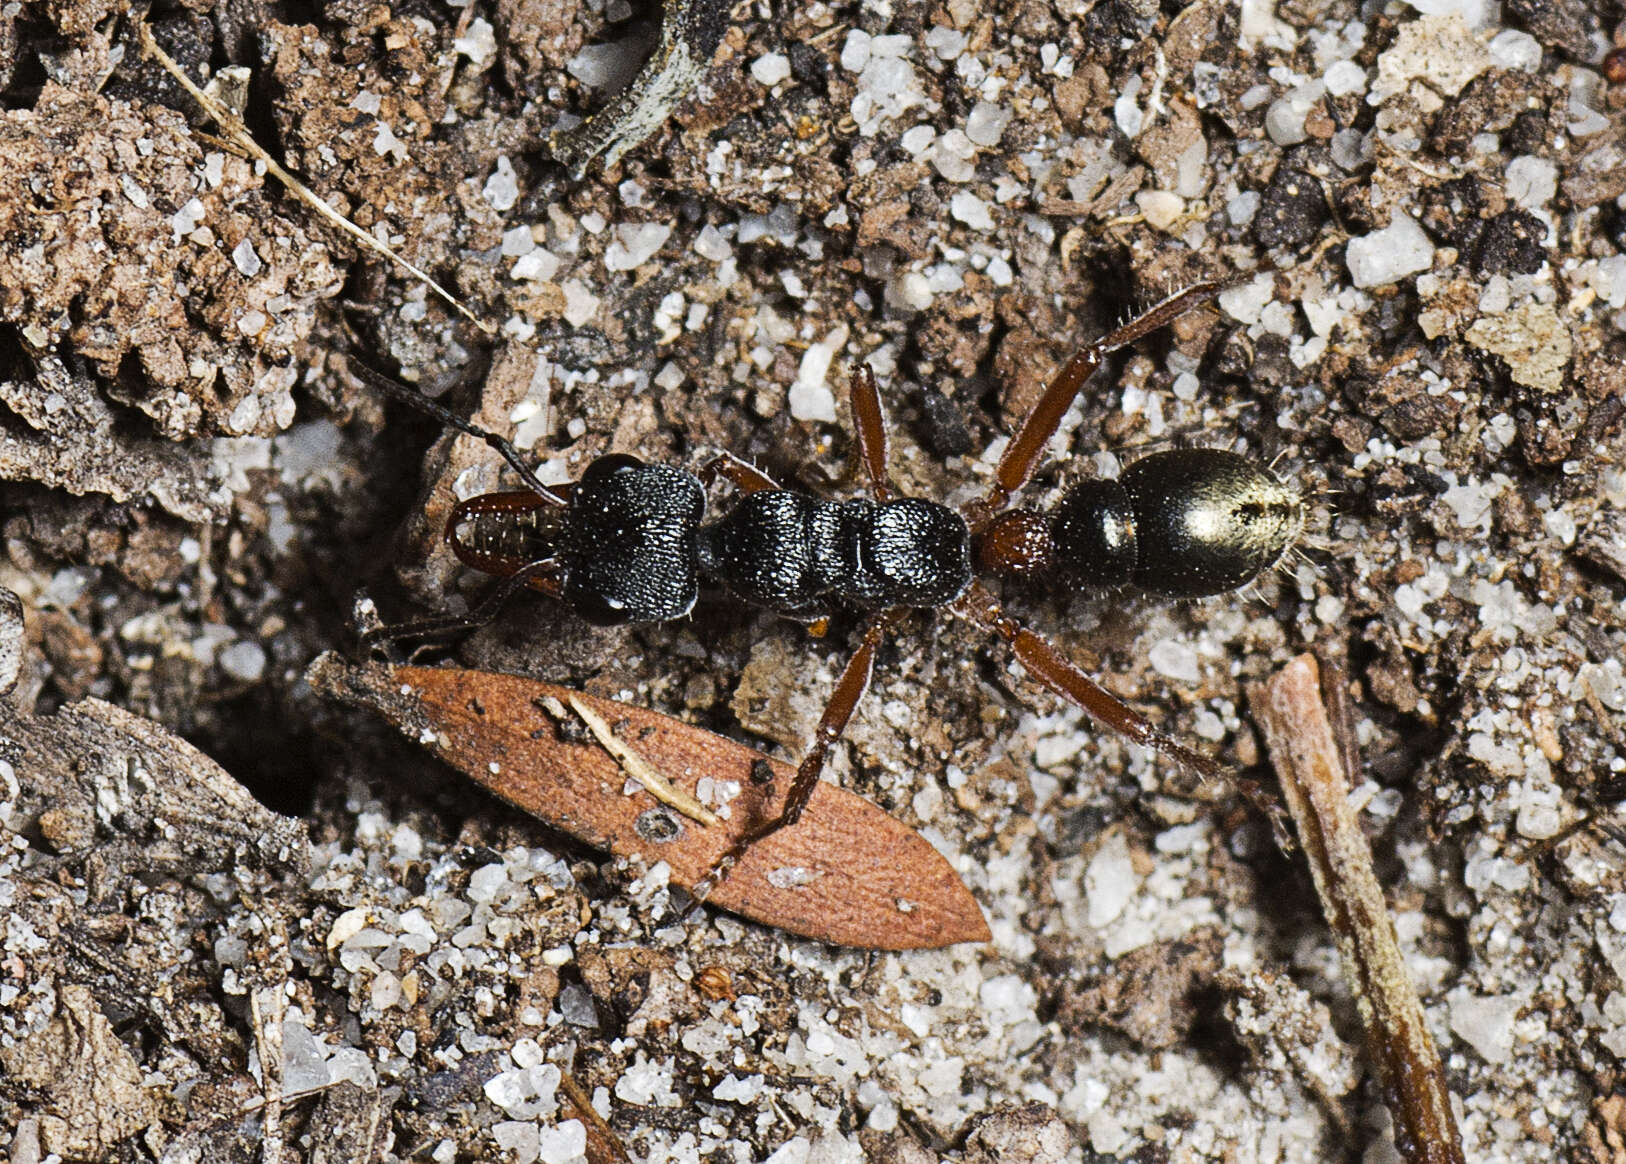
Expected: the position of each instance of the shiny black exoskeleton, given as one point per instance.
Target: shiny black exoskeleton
(796, 554)
(1187, 523)
(628, 543)
(632, 548)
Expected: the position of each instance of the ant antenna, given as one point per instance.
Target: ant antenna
(439, 412)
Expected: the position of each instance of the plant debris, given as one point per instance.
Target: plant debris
(1316, 768)
(847, 874)
(691, 30)
(1419, 205)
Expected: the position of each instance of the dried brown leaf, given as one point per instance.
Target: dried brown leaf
(846, 873)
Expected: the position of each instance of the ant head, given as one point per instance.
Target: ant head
(628, 551)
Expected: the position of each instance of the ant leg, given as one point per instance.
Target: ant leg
(430, 408)
(1046, 664)
(869, 422)
(849, 690)
(540, 575)
(745, 477)
(1022, 455)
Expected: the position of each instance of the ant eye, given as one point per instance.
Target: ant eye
(610, 464)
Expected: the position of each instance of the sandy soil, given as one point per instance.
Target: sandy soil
(207, 869)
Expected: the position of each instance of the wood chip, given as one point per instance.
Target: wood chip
(691, 30)
(1313, 770)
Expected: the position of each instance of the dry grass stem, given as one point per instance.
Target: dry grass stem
(234, 129)
(640, 769)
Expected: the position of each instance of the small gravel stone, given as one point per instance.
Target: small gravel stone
(770, 69)
(1161, 208)
(562, 1144)
(971, 210)
(986, 123)
(517, 242)
(1284, 120)
(635, 243)
(1176, 660)
(1486, 1024)
(1344, 78)
(576, 1004)
(479, 43)
(185, 220)
(599, 66)
(710, 244)
(520, 1138)
(1390, 254)
(1513, 48)
(243, 661)
(245, 259)
(1110, 881)
(502, 188)
(1531, 181)
(810, 397)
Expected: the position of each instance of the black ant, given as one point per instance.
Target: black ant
(628, 544)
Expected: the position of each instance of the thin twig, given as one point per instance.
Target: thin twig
(602, 1142)
(267, 1005)
(233, 127)
(1315, 783)
(640, 769)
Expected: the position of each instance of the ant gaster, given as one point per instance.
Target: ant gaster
(628, 543)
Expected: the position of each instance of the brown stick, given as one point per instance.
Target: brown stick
(603, 1145)
(1315, 784)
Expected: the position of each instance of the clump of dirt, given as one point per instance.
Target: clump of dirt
(163, 263)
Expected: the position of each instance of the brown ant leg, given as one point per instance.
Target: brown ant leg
(538, 575)
(869, 422)
(849, 690)
(1028, 445)
(1046, 664)
(745, 477)
(428, 407)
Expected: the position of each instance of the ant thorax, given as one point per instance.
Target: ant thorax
(800, 556)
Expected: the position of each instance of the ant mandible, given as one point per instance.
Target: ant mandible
(627, 544)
